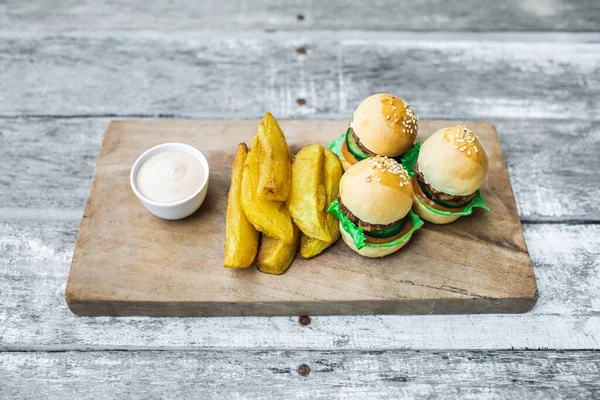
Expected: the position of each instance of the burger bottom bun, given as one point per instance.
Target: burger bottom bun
(369, 251)
(345, 164)
(429, 215)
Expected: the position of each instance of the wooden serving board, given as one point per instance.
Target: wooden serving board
(128, 262)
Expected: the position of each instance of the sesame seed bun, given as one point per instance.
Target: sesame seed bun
(377, 190)
(453, 161)
(370, 251)
(429, 216)
(385, 125)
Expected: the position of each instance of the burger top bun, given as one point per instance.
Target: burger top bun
(453, 161)
(377, 190)
(385, 125)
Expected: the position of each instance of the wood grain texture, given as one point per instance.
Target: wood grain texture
(273, 375)
(46, 74)
(405, 15)
(128, 262)
(443, 76)
(33, 276)
(34, 272)
(47, 165)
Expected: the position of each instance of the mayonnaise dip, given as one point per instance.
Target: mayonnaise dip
(170, 176)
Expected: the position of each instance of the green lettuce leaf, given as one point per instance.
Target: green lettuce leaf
(357, 234)
(336, 146)
(410, 158)
(476, 202)
(408, 162)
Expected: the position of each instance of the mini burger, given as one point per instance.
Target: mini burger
(382, 125)
(449, 170)
(374, 207)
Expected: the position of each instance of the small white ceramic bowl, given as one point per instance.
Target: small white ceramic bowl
(179, 209)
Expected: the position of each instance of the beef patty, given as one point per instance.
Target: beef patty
(438, 196)
(367, 227)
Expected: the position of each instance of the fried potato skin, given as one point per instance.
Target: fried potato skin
(307, 201)
(275, 256)
(241, 238)
(275, 173)
(310, 247)
(269, 217)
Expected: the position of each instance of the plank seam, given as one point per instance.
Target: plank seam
(584, 37)
(290, 116)
(250, 350)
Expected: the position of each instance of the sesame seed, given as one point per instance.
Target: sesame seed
(476, 151)
(469, 152)
(379, 180)
(368, 178)
(387, 117)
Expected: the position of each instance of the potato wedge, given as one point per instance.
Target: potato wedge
(275, 173)
(307, 201)
(241, 238)
(310, 247)
(269, 217)
(275, 256)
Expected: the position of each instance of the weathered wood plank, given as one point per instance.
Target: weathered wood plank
(225, 75)
(269, 375)
(47, 166)
(34, 315)
(406, 15)
(553, 167)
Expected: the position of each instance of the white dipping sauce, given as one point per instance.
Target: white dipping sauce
(170, 176)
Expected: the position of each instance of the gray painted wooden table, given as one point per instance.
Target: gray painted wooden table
(68, 67)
